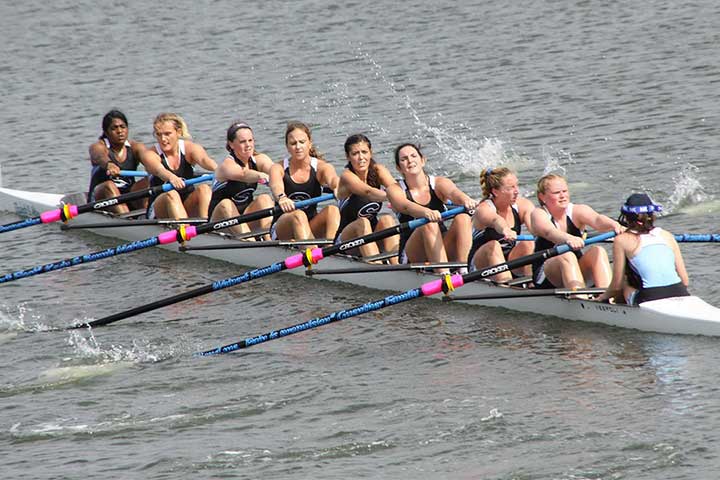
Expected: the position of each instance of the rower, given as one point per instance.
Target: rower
(236, 180)
(647, 263)
(301, 176)
(497, 222)
(110, 154)
(172, 160)
(560, 221)
(361, 193)
(419, 195)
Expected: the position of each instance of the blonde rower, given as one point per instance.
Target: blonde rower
(560, 221)
(497, 222)
(172, 160)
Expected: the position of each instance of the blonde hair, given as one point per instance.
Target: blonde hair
(492, 178)
(542, 184)
(302, 126)
(176, 120)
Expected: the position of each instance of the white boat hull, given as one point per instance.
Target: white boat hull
(687, 315)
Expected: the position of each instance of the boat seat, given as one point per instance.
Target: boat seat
(140, 212)
(519, 282)
(380, 257)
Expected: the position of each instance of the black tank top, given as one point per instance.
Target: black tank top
(543, 243)
(481, 237)
(241, 193)
(303, 191)
(99, 175)
(434, 204)
(184, 170)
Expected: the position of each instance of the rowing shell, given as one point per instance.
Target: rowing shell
(685, 315)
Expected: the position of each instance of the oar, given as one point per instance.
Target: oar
(385, 268)
(264, 243)
(445, 284)
(698, 237)
(143, 222)
(67, 211)
(184, 233)
(526, 292)
(133, 173)
(309, 257)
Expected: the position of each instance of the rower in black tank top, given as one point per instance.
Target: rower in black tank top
(99, 175)
(481, 237)
(356, 206)
(184, 170)
(303, 191)
(541, 243)
(241, 193)
(434, 204)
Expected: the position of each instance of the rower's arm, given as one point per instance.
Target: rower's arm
(401, 204)
(679, 262)
(229, 169)
(99, 154)
(447, 190)
(351, 184)
(616, 285)
(199, 156)
(601, 223)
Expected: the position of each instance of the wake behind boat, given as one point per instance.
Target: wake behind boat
(683, 315)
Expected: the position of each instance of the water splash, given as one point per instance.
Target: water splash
(553, 160)
(494, 413)
(20, 318)
(463, 153)
(689, 195)
(89, 348)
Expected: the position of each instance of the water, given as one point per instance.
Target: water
(616, 97)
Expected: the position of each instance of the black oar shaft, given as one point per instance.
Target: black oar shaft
(219, 285)
(144, 308)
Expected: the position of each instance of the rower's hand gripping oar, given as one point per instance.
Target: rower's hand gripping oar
(182, 234)
(445, 284)
(68, 211)
(307, 258)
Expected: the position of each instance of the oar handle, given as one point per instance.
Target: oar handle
(314, 200)
(166, 187)
(133, 173)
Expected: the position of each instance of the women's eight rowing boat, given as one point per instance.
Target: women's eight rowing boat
(683, 315)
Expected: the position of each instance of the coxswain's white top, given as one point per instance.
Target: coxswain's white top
(655, 261)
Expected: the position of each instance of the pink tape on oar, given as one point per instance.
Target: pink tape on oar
(431, 288)
(294, 261)
(317, 255)
(298, 260)
(56, 215)
(171, 236)
(167, 237)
